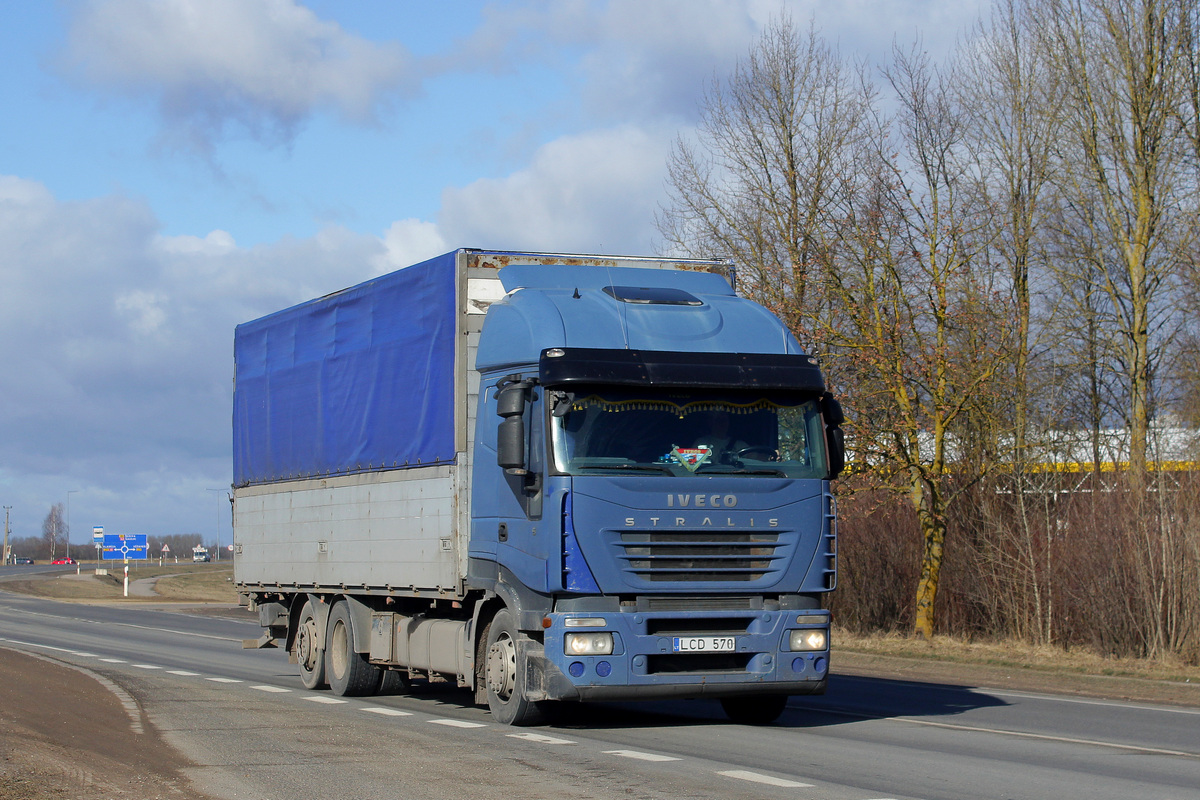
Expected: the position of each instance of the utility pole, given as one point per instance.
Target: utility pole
(218, 521)
(6, 555)
(69, 493)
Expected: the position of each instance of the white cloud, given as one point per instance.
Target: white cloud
(408, 242)
(594, 192)
(144, 310)
(214, 244)
(261, 65)
(117, 357)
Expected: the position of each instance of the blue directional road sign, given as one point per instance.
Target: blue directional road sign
(122, 546)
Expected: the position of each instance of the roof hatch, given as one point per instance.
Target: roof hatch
(650, 295)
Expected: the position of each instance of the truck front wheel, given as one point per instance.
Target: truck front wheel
(505, 674)
(309, 650)
(349, 672)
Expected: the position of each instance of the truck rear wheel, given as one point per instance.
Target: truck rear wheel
(762, 709)
(309, 650)
(505, 674)
(392, 681)
(350, 674)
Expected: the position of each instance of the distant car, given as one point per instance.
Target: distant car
(64, 561)
(22, 560)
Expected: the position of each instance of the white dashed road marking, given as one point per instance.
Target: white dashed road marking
(457, 723)
(745, 775)
(640, 756)
(387, 712)
(266, 688)
(540, 738)
(320, 698)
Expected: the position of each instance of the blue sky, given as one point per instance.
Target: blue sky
(170, 168)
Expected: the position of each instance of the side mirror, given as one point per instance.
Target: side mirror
(835, 439)
(510, 437)
(510, 445)
(836, 445)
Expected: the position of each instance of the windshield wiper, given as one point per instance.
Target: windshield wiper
(722, 469)
(638, 467)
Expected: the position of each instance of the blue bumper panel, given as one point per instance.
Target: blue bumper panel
(644, 662)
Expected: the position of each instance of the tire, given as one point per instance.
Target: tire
(760, 709)
(504, 674)
(349, 673)
(310, 650)
(392, 681)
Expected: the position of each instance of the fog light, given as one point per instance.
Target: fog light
(588, 644)
(807, 641)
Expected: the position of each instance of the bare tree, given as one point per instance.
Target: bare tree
(922, 324)
(767, 167)
(54, 528)
(1122, 69)
(1008, 94)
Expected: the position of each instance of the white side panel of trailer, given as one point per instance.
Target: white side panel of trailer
(391, 531)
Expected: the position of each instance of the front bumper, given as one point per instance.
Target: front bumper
(644, 663)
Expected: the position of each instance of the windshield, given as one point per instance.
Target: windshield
(690, 433)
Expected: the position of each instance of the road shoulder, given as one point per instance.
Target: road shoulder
(64, 734)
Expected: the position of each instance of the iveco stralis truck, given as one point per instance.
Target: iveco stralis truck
(544, 478)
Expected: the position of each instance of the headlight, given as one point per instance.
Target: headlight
(807, 641)
(588, 644)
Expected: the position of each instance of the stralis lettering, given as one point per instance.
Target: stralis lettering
(703, 522)
(701, 500)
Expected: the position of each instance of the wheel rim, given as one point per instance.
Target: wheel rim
(306, 650)
(339, 641)
(502, 667)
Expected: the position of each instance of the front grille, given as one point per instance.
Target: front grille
(708, 603)
(699, 556)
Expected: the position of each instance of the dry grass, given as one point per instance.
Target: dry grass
(208, 584)
(195, 583)
(1014, 655)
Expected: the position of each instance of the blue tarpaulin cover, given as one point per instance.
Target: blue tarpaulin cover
(355, 381)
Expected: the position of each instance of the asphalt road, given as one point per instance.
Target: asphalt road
(251, 731)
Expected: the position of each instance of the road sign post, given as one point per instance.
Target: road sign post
(125, 546)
